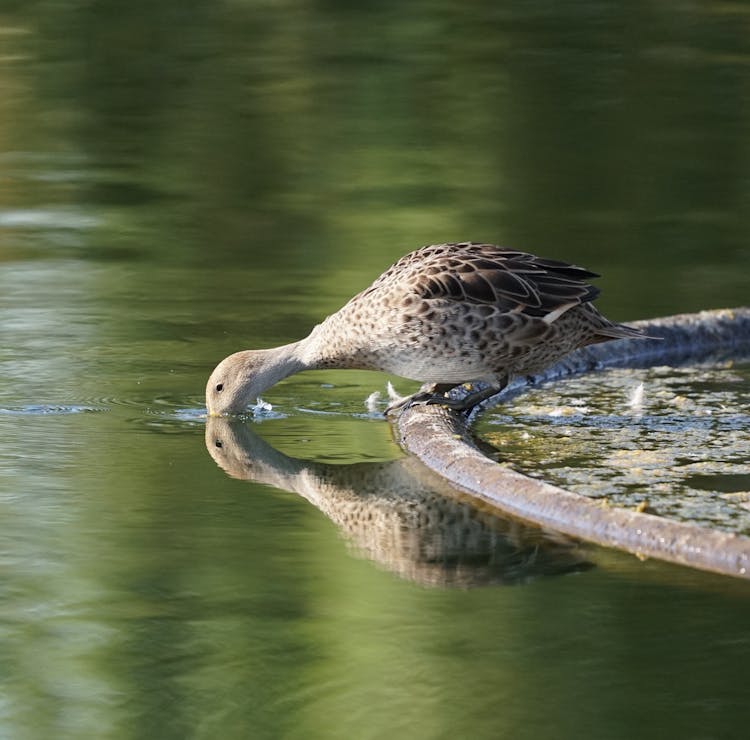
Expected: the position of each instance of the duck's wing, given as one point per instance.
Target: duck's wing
(514, 282)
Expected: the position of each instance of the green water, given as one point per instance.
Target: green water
(182, 180)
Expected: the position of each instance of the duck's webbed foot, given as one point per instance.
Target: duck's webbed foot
(437, 393)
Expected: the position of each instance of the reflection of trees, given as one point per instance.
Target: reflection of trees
(400, 515)
(309, 132)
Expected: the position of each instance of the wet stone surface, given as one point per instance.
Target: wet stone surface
(673, 442)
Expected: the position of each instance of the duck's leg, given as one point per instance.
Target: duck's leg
(437, 393)
(428, 393)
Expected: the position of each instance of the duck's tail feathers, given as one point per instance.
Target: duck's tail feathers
(620, 331)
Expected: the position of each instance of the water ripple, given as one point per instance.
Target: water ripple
(43, 409)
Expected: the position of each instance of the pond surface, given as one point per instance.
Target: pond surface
(178, 184)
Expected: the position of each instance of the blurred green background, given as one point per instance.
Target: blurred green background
(179, 180)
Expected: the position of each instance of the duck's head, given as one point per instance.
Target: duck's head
(235, 383)
(238, 380)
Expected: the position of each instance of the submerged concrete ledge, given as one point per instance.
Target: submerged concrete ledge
(441, 439)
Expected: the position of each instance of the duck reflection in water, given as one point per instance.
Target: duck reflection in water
(401, 515)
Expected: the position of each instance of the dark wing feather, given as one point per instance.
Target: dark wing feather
(511, 280)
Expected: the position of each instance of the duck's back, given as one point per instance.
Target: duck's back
(450, 313)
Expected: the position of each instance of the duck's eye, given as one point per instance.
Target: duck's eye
(220, 387)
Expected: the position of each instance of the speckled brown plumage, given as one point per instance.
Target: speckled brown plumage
(444, 314)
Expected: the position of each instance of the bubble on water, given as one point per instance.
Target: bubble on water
(261, 407)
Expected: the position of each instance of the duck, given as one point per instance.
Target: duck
(446, 315)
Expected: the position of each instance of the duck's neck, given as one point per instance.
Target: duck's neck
(311, 352)
(280, 362)
(330, 345)
(324, 347)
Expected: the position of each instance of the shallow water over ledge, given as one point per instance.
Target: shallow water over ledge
(673, 440)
